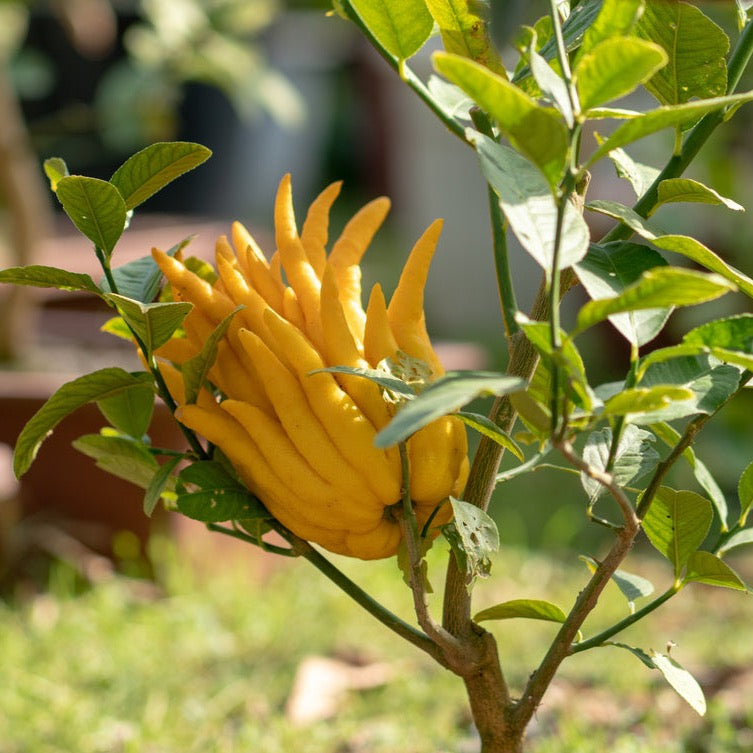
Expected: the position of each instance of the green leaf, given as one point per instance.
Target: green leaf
(161, 481)
(680, 244)
(55, 169)
(153, 323)
(389, 383)
(537, 132)
(528, 204)
(614, 68)
(464, 32)
(640, 176)
(677, 523)
(656, 288)
(196, 369)
(151, 169)
(712, 384)
(664, 117)
(681, 680)
(705, 567)
(566, 357)
(140, 279)
(616, 18)
(637, 652)
(741, 538)
(400, 26)
(207, 492)
(95, 207)
(40, 276)
(695, 250)
(531, 609)
(489, 429)
(696, 48)
(638, 400)
(130, 411)
(631, 586)
(473, 537)
(635, 457)
(688, 190)
(445, 396)
(629, 217)
(119, 456)
(552, 85)
(730, 333)
(72, 395)
(745, 493)
(703, 476)
(608, 270)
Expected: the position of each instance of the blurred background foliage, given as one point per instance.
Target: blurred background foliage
(273, 86)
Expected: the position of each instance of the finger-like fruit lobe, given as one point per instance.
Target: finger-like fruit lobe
(303, 442)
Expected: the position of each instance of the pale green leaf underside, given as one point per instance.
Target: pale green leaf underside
(681, 680)
(705, 567)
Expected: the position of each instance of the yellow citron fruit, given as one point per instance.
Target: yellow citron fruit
(303, 442)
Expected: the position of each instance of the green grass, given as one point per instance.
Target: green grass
(207, 665)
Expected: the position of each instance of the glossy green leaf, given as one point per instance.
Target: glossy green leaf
(657, 288)
(677, 523)
(130, 411)
(400, 26)
(696, 48)
(55, 169)
(473, 537)
(711, 383)
(664, 117)
(161, 481)
(464, 32)
(488, 428)
(688, 190)
(537, 132)
(616, 18)
(151, 169)
(681, 680)
(614, 68)
(745, 493)
(705, 567)
(695, 250)
(609, 269)
(631, 586)
(635, 457)
(730, 333)
(448, 394)
(670, 436)
(529, 206)
(119, 456)
(40, 276)
(679, 244)
(95, 207)
(140, 279)
(195, 370)
(530, 609)
(207, 492)
(638, 400)
(72, 395)
(574, 30)
(153, 323)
